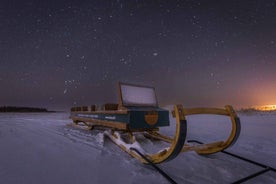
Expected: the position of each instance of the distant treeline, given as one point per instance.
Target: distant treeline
(254, 110)
(21, 109)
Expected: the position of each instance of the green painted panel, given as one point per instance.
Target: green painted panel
(124, 118)
(137, 118)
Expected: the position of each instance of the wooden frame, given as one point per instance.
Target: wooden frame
(104, 123)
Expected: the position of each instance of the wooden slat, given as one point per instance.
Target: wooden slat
(92, 122)
(217, 111)
(156, 135)
(104, 112)
(208, 146)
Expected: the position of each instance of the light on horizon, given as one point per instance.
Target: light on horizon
(266, 107)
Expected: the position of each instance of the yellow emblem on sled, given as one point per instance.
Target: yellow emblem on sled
(151, 118)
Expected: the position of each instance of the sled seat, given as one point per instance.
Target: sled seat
(84, 108)
(93, 108)
(111, 107)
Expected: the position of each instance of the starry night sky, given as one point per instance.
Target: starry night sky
(57, 54)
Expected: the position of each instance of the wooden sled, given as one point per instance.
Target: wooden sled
(138, 112)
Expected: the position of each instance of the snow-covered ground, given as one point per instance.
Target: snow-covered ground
(41, 148)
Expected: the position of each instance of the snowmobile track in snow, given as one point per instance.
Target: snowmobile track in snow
(266, 168)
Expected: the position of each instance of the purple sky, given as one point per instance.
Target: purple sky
(57, 54)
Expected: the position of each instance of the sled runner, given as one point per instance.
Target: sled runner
(138, 113)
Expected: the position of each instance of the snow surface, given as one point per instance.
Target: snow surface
(42, 148)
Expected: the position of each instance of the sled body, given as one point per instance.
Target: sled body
(132, 119)
(138, 112)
